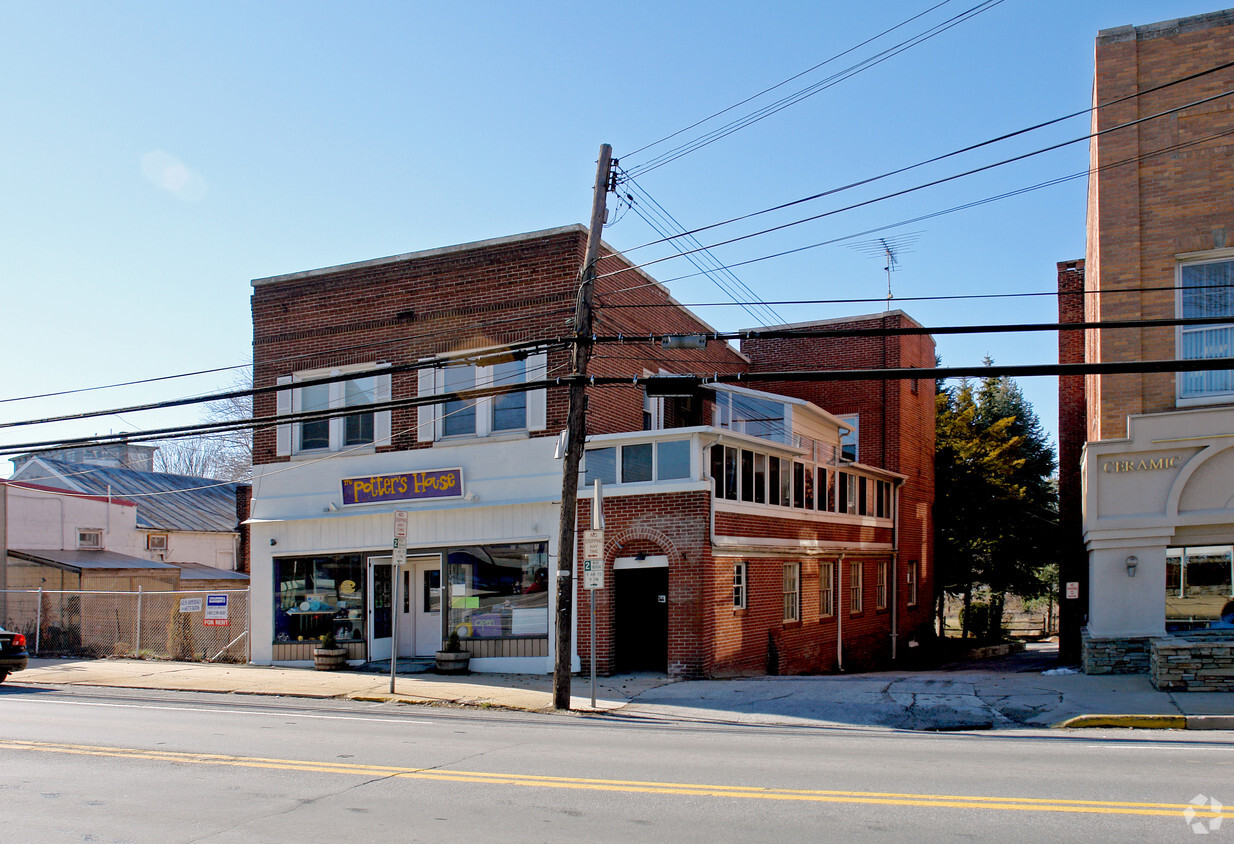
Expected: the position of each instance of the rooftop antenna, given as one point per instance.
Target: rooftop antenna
(889, 249)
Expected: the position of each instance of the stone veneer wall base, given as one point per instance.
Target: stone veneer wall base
(1129, 655)
(1200, 661)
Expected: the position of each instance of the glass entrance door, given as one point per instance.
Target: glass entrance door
(381, 607)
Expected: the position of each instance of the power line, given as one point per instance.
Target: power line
(952, 154)
(934, 373)
(697, 259)
(786, 81)
(563, 342)
(951, 210)
(809, 91)
(933, 183)
(285, 359)
(307, 382)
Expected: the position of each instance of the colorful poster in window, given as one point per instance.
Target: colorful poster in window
(404, 486)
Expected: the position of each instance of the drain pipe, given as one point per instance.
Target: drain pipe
(895, 568)
(839, 608)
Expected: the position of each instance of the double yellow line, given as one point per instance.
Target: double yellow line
(950, 801)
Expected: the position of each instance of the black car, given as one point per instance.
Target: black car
(13, 654)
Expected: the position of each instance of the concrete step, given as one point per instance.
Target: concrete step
(405, 665)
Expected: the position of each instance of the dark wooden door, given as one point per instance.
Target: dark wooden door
(641, 611)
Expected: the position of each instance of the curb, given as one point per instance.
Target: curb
(1150, 722)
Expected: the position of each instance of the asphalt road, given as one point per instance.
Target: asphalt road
(123, 765)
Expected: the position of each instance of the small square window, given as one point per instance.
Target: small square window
(673, 460)
(89, 540)
(635, 463)
(601, 465)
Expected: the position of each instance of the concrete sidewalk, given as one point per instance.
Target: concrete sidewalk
(533, 693)
(997, 694)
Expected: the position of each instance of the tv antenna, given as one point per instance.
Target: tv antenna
(889, 249)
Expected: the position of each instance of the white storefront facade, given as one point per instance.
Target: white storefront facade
(482, 522)
(1159, 529)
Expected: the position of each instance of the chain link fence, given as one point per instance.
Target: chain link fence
(195, 626)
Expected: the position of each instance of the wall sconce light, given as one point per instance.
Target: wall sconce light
(274, 541)
(1132, 562)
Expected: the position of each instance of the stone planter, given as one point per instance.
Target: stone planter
(451, 662)
(329, 659)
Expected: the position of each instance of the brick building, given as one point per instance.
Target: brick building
(1146, 458)
(746, 530)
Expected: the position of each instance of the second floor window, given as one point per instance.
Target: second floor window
(848, 439)
(1206, 291)
(503, 413)
(340, 430)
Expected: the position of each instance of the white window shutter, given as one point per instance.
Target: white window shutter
(426, 414)
(381, 418)
(282, 407)
(537, 400)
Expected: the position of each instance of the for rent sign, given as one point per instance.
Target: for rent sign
(404, 486)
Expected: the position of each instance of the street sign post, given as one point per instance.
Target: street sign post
(593, 574)
(398, 559)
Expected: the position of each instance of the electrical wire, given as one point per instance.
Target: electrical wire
(933, 183)
(664, 220)
(932, 215)
(786, 81)
(809, 91)
(933, 373)
(944, 156)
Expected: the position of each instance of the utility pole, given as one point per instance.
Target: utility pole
(576, 433)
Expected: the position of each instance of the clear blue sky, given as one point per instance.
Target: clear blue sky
(155, 157)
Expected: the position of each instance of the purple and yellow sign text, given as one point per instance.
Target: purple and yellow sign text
(405, 486)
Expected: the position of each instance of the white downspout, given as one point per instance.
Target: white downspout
(895, 568)
(840, 613)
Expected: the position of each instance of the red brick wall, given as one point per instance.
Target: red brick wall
(896, 423)
(707, 635)
(1072, 433)
(524, 289)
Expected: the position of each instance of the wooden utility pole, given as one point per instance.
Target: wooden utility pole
(576, 428)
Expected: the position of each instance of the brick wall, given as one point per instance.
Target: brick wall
(1072, 433)
(896, 421)
(401, 310)
(1143, 214)
(707, 635)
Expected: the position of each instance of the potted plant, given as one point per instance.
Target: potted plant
(452, 659)
(328, 655)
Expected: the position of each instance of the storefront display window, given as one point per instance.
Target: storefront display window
(318, 595)
(498, 591)
(1199, 583)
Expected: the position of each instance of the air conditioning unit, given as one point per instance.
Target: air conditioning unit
(156, 542)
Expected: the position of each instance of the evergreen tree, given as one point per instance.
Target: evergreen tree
(995, 512)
